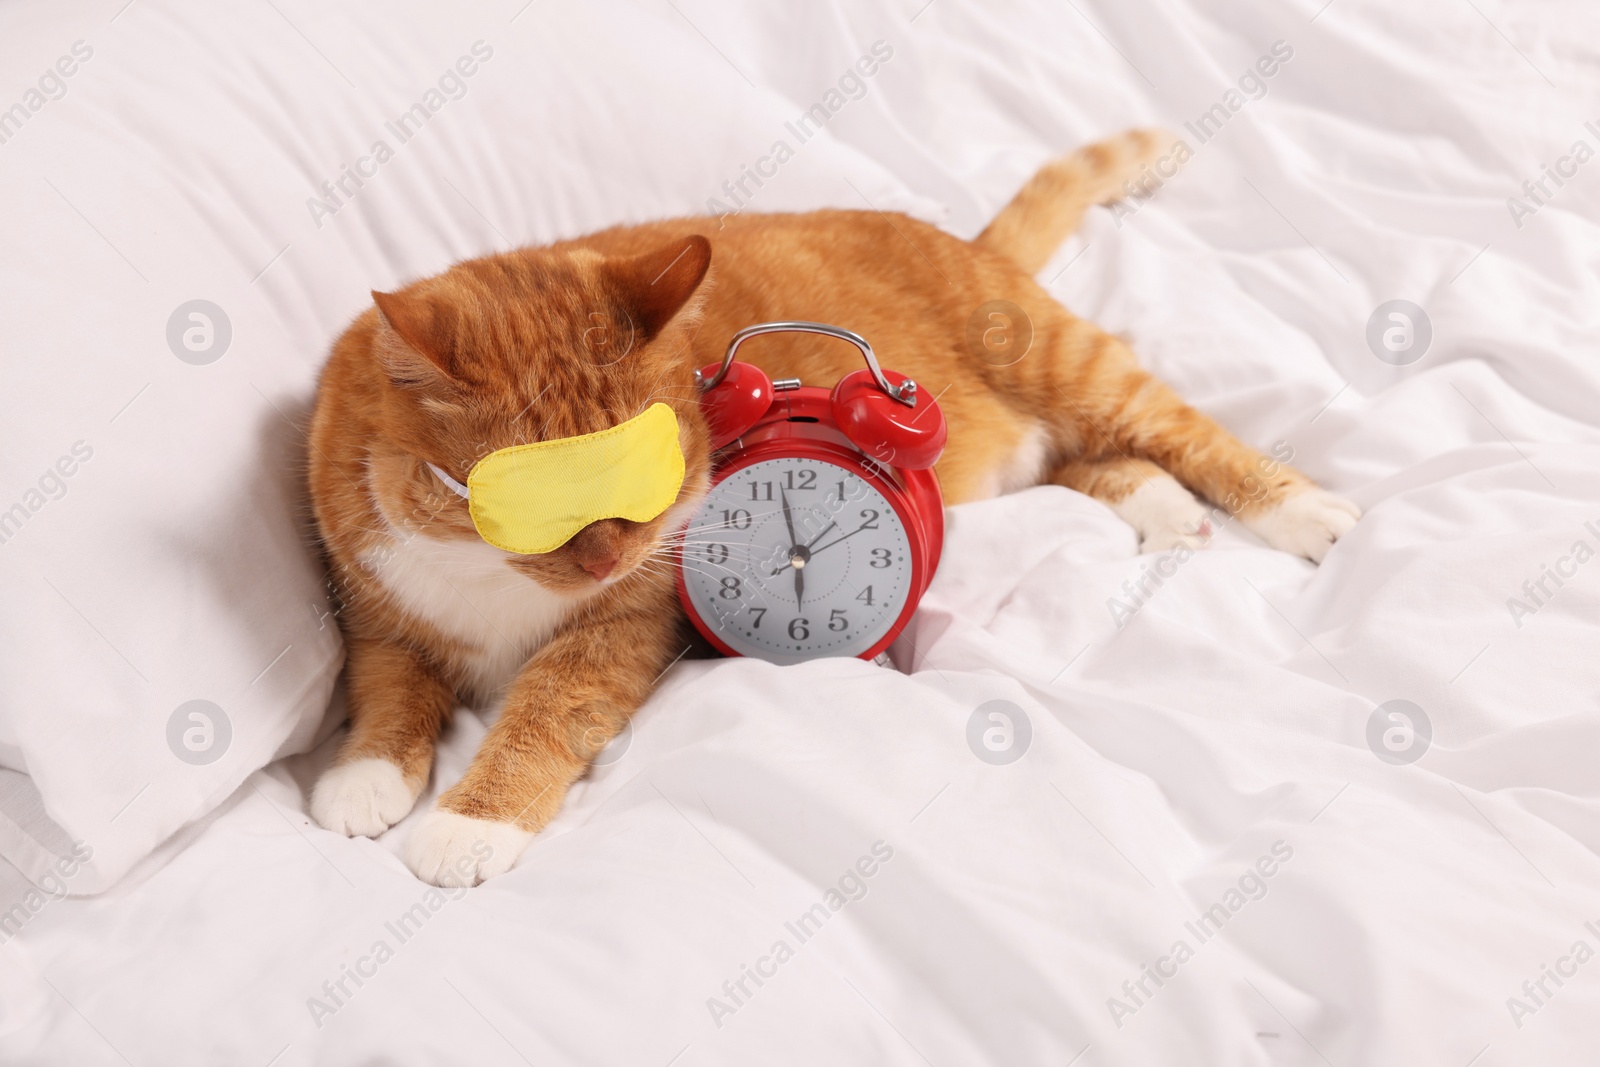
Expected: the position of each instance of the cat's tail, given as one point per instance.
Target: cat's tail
(1048, 208)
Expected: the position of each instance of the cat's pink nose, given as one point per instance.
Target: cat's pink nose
(597, 548)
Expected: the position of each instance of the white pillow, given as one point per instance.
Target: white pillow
(174, 272)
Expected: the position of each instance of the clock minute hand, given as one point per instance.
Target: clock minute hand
(788, 517)
(794, 554)
(836, 540)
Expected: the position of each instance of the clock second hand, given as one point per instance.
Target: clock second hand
(817, 538)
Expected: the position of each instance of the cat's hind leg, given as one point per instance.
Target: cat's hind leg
(1113, 411)
(1161, 511)
(1271, 499)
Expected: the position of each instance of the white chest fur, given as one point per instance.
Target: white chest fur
(466, 590)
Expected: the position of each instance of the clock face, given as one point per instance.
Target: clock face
(790, 559)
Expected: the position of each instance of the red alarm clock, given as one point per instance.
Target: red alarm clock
(824, 522)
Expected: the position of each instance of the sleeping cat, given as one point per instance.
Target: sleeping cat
(548, 343)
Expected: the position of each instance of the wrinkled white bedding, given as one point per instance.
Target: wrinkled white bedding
(1197, 756)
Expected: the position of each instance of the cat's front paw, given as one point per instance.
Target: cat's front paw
(362, 798)
(1307, 523)
(447, 849)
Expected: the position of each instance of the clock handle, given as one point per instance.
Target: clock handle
(905, 392)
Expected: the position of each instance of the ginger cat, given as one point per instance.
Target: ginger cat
(546, 343)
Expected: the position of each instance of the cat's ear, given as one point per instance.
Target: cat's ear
(426, 339)
(654, 287)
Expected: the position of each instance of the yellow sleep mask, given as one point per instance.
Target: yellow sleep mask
(531, 499)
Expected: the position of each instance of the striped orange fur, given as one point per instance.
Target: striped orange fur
(549, 342)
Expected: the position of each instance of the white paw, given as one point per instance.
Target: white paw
(1306, 524)
(362, 798)
(447, 849)
(1166, 515)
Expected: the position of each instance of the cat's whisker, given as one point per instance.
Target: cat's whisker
(685, 561)
(727, 563)
(726, 525)
(687, 545)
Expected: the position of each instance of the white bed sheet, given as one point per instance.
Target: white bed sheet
(1018, 903)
